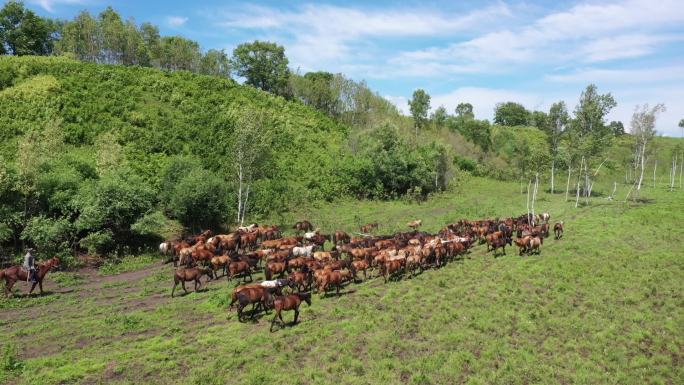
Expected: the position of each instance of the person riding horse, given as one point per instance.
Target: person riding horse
(30, 265)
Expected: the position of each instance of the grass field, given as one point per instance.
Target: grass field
(603, 305)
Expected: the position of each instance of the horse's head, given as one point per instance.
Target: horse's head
(306, 297)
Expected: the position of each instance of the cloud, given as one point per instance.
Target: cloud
(621, 77)
(317, 34)
(49, 5)
(176, 21)
(585, 33)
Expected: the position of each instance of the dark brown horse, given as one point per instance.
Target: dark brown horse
(259, 297)
(558, 230)
(17, 273)
(289, 302)
(239, 267)
(303, 226)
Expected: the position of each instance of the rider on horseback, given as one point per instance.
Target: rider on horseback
(30, 265)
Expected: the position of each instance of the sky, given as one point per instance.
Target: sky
(481, 52)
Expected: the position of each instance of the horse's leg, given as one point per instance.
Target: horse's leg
(274, 320)
(249, 273)
(296, 315)
(40, 285)
(184, 289)
(174, 288)
(33, 286)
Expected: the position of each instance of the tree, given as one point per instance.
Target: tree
(589, 134)
(558, 119)
(617, 128)
(81, 38)
(215, 63)
(439, 117)
(250, 148)
(263, 65)
(511, 114)
(179, 53)
(643, 129)
(200, 199)
(419, 106)
(22, 32)
(112, 36)
(465, 110)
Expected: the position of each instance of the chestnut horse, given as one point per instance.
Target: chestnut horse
(17, 273)
(289, 302)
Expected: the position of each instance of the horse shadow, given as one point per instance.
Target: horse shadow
(332, 293)
(45, 293)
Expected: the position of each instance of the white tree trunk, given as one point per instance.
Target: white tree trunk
(577, 196)
(239, 210)
(553, 172)
(655, 166)
(641, 177)
(528, 202)
(244, 205)
(567, 186)
(681, 168)
(534, 194)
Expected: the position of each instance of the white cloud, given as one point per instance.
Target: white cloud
(621, 77)
(585, 33)
(176, 21)
(327, 35)
(49, 5)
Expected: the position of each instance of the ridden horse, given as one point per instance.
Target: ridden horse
(17, 273)
(259, 297)
(558, 230)
(190, 274)
(303, 226)
(289, 302)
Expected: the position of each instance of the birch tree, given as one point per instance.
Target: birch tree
(590, 136)
(558, 119)
(643, 129)
(250, 150)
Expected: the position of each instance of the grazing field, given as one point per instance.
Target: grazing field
(603, 305)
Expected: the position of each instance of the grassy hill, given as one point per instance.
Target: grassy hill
(602, 305)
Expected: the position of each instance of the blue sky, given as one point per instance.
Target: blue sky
(482, 52)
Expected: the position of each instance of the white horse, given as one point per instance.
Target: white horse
(303, 251)
(165, 248)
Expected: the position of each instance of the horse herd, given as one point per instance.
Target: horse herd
(296, 266)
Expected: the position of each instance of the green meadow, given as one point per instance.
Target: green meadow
(602, 305)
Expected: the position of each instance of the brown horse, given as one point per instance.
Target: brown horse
(341, 237)
(17, 273)
(334, 278)
(303, 226)
(289, 302)
(415, 224)
(367, 228)
(259, 297)
(239, 267)
(389, 268)
(558, 230)
(190, 274)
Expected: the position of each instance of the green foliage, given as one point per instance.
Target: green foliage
(200, 200)
(22, 32)
(263, 65)
(157, 226)
(50, 236)
(419, 106)
(10, 361)
(388, 166)
(589, 134)
(511, 114)
(98, 242)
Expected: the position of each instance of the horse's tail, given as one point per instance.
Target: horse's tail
(267, 273)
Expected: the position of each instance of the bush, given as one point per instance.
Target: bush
(98, 243)
(200, 199)
(50, 236)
